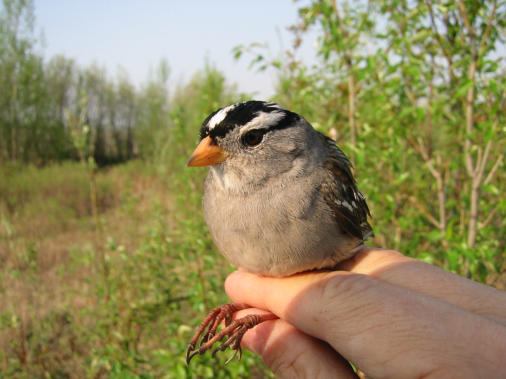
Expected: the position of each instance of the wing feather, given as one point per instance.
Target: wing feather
(342, 195)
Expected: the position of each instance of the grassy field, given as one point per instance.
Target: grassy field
(110, 285)
(106, 273)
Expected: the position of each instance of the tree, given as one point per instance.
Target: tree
(153, 116)
(127, 109)
(20, 74)
(424, 87)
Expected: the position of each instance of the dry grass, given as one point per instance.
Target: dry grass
(116, 295)
(48, 241)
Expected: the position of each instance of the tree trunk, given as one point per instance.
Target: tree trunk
(351, 114)
(472, 168)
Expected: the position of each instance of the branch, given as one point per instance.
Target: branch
(488, 219)
(420, 148)
(487, 30)
(439, 40)
(469, 101)
(343, 33)
(481, 162)
(481, 169)
(422, 209)
(470, 30)
(438, 175)
(494, 169)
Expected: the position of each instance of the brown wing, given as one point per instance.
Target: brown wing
(341, 194)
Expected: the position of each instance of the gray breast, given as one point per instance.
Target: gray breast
(276, 230)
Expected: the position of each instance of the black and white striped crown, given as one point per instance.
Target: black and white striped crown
(268, 115)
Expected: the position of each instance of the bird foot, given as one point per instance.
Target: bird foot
(234, 330)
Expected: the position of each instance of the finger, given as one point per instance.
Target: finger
(384, 329)
(289, 353)
(402, 271)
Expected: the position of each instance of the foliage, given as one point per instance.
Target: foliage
(118, 301)
(414, 92)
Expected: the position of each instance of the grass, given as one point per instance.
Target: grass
(118, 295)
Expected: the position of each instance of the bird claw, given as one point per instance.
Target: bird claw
(233, 356)
(234, 330)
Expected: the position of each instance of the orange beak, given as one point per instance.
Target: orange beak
(207, 153)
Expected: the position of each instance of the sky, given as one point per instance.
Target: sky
(136, 35)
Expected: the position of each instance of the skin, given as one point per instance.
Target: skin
(390, 315)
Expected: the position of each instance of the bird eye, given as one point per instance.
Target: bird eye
(253, 137)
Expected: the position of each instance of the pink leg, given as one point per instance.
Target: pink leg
(234, 330)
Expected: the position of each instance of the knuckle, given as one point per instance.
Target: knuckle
(343, 286)
(338, 298)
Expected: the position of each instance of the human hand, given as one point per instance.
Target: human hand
(389, 315)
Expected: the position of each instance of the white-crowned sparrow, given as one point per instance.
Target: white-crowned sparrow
(280, 198)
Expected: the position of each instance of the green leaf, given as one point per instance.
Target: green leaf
(462, 89)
